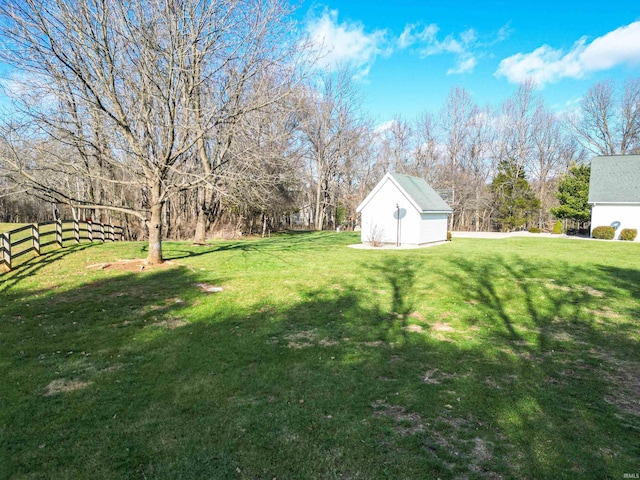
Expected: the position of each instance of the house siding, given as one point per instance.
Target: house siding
(627, 215)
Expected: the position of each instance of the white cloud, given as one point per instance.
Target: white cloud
(345, 43)
(411, 34)
(465, 46)
(463, 66)
(546, 64)
(384, 127)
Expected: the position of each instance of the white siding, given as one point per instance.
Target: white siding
(378, 216)
(627, 215)
(434, 227)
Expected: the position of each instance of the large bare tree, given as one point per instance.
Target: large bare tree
(121, 88)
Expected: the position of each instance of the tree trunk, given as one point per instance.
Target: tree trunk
(319, 220)
(200, 237)
(154, 257)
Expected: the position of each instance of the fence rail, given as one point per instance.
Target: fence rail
(32, 235)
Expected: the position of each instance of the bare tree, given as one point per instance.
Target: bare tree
(608, 122)
(395, 147)
(330, 126)
(250, 71)
(554, 151)
(467, 136)
(427, 158)
(120, 83)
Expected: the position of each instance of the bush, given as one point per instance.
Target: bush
(603, 233)
(534, 230)
(628, 234)
(557, 228)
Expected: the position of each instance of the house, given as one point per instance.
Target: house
(403, 210)
(614, 192)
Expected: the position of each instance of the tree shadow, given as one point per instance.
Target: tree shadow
(165, 381)
(32, 266)
(559, 351)
(393, 277)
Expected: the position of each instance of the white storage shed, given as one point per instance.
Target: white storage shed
(405, 211)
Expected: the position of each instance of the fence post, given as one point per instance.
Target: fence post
(35, 235)
(90, 231)
(5, 246)
(102, 232)
(112, 236)
(59, 232)
(76, 230)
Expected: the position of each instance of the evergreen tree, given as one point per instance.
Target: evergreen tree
(573, 193)
(512, 196)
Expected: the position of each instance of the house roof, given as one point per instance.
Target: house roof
(615, 179)
(417, 190)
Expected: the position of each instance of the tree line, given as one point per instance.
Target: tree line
(180, 118)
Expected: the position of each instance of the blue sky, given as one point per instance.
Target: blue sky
(407, 55)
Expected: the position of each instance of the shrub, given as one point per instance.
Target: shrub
(603, 233)
(557, 228)
(628, 234)
(376, 236)
(534, 230)
(448, 236)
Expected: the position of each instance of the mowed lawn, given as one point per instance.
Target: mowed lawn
(513, 358)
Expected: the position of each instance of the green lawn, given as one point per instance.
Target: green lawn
(514, 358)
(7, 227)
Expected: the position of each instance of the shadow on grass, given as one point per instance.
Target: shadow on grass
(558, 348)
(144, 376)
(282, 242)
(33, 265)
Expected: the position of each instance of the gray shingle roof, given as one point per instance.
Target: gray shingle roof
(615, 179)
(421, 193)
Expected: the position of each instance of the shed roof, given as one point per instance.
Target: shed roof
(615, 179)
(425, 197)
(417, 190)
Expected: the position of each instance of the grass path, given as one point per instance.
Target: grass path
(513, 358)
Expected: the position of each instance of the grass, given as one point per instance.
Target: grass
(513, 358)
(7, 227)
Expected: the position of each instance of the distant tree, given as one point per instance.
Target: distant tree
(514, 201)
(573, 194)
(331, 130)
(608, 122)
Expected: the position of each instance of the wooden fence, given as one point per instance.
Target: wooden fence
(35, 237)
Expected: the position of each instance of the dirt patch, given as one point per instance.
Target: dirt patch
(417, 316)
(207, 288)
(435, 376)
(135, 265)
(405, 423)
(593, 292)
(302, 339)
(306, 339)
(481, 450)
(588, 289)
(625, 386)
(414, 328)
(64, 385)
(170, 323)
(442, 327)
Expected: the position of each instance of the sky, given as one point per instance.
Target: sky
(407, 55)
